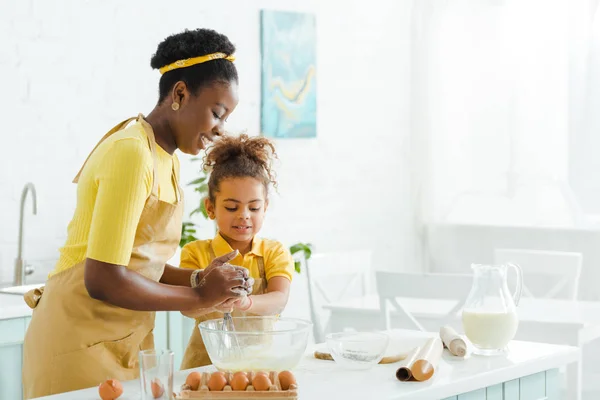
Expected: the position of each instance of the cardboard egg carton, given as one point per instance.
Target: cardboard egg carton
(274, 393)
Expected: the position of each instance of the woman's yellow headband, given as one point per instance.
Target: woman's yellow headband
(196, 60)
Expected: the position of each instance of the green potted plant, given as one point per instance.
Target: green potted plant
(299, 251)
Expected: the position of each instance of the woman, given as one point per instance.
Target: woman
(96, 311)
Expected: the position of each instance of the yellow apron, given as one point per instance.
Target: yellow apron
(73, 341)
(195, 353)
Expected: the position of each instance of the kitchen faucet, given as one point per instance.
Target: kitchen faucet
(20, 268)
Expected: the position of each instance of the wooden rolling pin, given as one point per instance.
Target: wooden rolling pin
(453, 342)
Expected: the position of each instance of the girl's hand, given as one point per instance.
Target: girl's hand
(226, 306)
(243, 304)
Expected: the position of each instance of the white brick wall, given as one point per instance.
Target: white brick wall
(71, 69)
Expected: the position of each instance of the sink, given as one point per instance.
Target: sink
(20, 290)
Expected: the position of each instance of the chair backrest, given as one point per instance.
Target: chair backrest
(334, 277)
(394, 285)
(546, 274)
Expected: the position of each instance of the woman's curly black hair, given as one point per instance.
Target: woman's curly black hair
(188, 44)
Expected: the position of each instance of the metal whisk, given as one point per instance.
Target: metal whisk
(230, 346)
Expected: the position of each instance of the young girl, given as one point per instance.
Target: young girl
(237, 200)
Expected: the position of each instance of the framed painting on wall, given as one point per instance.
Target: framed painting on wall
(288, 74)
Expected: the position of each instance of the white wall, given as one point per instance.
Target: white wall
(73, 69)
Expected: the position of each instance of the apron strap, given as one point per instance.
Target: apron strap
(151, 143)
(261, 272)
(117, 128)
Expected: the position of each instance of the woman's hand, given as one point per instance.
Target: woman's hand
(222, 283)
(224, 261)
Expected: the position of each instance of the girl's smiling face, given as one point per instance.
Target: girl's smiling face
(239, 210)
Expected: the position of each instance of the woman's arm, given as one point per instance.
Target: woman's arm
(119, 286)
(271, 303)
(124, 182)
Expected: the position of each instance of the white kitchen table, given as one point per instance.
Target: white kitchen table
(529, 371)
(541, 320)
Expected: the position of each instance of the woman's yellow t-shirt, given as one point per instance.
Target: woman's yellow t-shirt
(111, 194)
(276, 258)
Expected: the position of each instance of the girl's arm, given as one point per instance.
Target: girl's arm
(177, 276)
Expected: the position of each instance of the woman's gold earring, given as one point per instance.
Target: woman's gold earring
(175, 106)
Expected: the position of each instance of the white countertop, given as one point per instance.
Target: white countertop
(13, 306)
(318, 379)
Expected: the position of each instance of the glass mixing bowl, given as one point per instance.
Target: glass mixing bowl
(357, 350)
(258, 343)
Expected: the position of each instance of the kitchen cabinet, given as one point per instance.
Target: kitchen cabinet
(11, 363)
(172, 331)
(12, 332)
(540, 386)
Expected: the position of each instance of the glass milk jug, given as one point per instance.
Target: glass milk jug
(489, 316)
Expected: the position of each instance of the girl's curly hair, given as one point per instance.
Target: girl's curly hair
(239, 157)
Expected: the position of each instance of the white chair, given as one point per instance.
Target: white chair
(334, 277)
(394, 285)
(546, 274)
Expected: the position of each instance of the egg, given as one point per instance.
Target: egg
(261, 382)
(157, 388)
(193, 380)
(217, 382)
(110, 390)
(239, 381)
(286, 378)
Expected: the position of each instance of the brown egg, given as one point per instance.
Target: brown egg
(217, 382)
(261, 382)
(157, 388)
(286, 378)
(110, 390)
(239, 381)
(193, 380)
